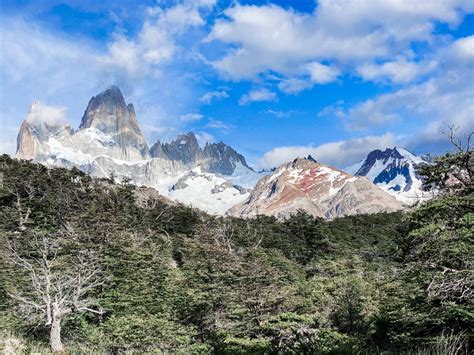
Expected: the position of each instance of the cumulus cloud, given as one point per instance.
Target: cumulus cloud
(314, 73)
(339, 154)
(399, 71)
(208, 97)
(191, 117)
(322, 74)
(356, 34)
(156, 43)
(43, 114)
(462, 50)
(446, 98)
(257, 96)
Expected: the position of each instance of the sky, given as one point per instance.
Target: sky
(273, 79)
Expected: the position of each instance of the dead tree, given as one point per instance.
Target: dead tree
(60, 283)
(223, 233)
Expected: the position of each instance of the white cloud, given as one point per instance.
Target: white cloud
(43, 114)
(203, 138)
(217, 125)
(156, 43)
(322, 74)
(446, 98)
(314, 73)
(214, 95)
(339, 154)
(352, 33)
(279, 114)
(294, 85)
(191, 117)
(257, 96)
(463, 50)
(399, 71)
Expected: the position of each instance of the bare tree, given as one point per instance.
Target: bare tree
(223, 233)
(464, 173)
(60, 283)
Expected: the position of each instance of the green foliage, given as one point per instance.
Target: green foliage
(180, 281)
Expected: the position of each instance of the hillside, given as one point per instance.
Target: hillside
(175, 279)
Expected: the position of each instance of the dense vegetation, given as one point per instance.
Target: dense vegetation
(174, 279)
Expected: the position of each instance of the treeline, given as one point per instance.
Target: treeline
(131, 271)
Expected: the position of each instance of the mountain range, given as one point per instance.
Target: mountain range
(215, 178)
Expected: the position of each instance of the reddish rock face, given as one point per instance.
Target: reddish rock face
(27, 144)
(319, 190)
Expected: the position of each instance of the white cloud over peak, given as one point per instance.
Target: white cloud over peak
(43, 114)
(203, 138)
(258, 96)
(339, 154)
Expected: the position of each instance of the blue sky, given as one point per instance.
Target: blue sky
(273, 79)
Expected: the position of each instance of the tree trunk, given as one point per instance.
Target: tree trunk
(55, 336)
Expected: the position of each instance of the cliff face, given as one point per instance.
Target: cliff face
(109, 114)
(36, 130)
(222, 159)
(185, 149)
(28, 145)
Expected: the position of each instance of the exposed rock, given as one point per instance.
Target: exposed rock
(34, 133)
(393, 170)
(185, 149)
(109, 114)
(156, 151)
(222, 159)
(317, 189)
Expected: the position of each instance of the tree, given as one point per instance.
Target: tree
(454, 171)
(60, 282)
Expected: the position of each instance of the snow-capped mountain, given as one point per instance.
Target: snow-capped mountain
(319, 190)
(393, 170)
(109, 140)
(214, 178)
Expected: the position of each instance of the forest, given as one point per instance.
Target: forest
(100, 266)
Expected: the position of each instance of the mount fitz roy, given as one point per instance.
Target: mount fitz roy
(109, 139)
(215, 178)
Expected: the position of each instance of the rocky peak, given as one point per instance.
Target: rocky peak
(222, 159)
(185, 148)
(157, 151)
(310, 158)
(394, 170)
(39, 125)
(302, 163)
(109, 113)
(108, 103)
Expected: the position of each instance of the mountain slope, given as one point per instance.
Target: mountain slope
(317, 189)
(393, 170)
